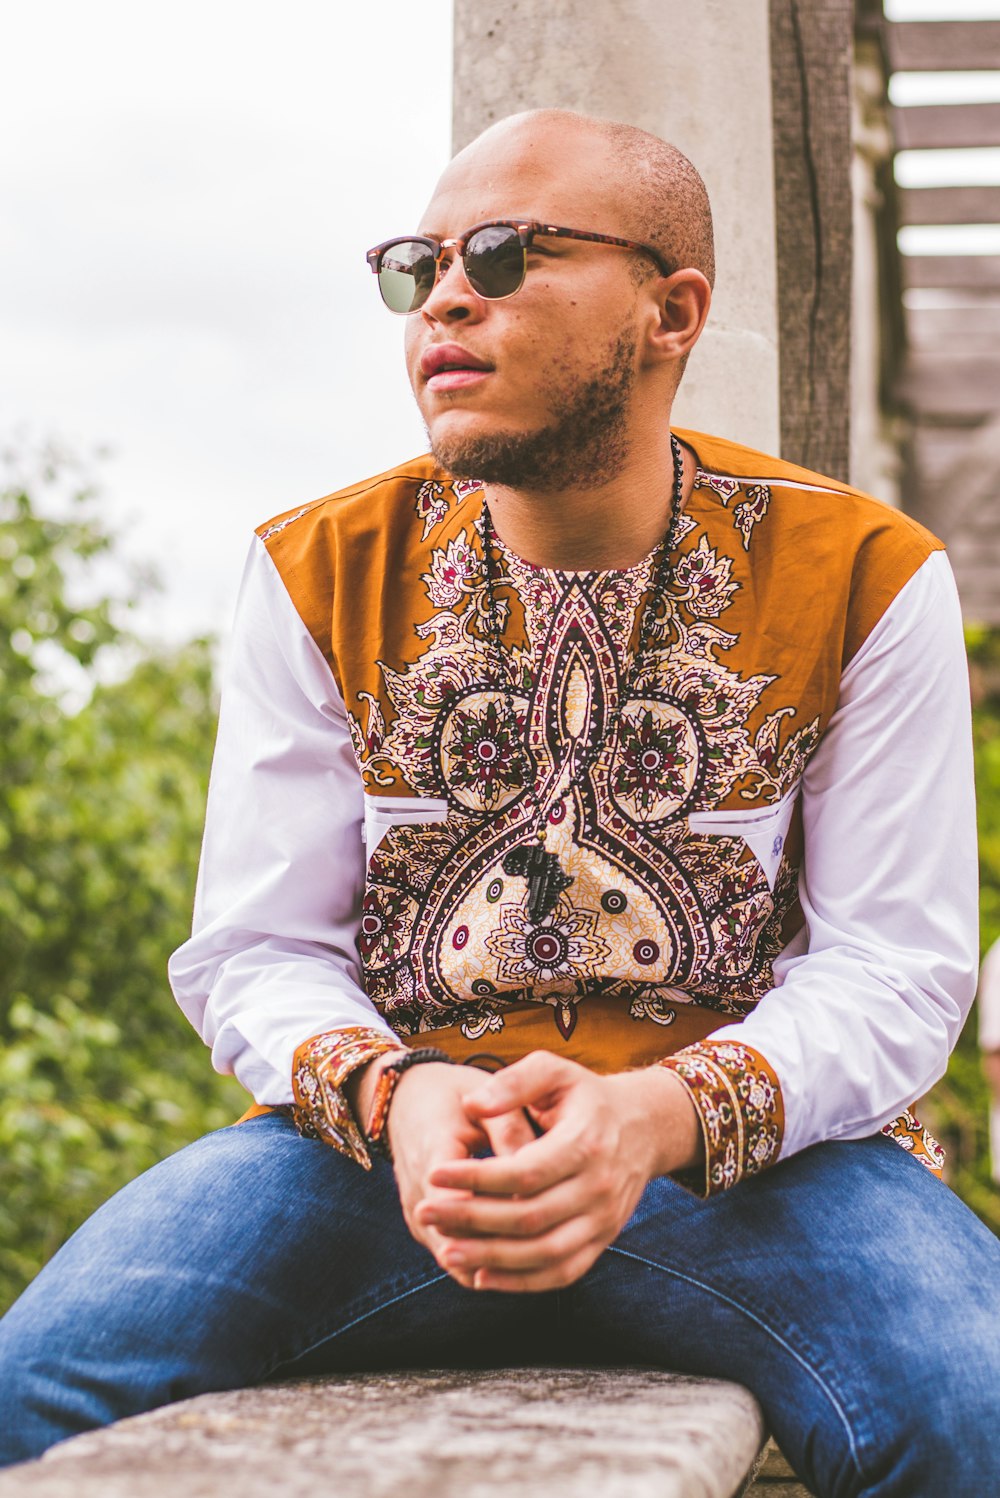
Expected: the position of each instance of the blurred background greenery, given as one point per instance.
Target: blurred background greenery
(106, 744)
(956, 1110)
(104, 753)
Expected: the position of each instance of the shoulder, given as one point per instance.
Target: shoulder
(801, 492)
(821, 533)
(334, 554)
(370, 504)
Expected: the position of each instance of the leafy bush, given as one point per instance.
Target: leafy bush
(101, 808)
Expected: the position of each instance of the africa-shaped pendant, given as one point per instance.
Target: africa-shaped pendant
(546, 878)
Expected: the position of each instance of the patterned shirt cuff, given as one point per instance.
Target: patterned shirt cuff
(914, 1136)
(738, 1100)
(320, 1069)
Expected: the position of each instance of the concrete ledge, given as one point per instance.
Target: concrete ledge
(578, 1433)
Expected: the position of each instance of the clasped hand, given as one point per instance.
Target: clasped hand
(572, 1152)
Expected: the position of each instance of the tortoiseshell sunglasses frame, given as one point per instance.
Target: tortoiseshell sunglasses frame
(526, 231)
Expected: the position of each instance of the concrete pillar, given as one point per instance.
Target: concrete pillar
(696, 72)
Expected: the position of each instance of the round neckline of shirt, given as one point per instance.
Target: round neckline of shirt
(644, 563)
(636, 570)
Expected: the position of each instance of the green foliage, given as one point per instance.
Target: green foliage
(101, 806)
(984, 658)
(81, 1114)
(957, 1109)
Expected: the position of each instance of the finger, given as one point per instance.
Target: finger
(534, 1282)
(521, 1255)
(532, 1080)
(503, 1217)
(438, 1245)
(543, 1163)
(464, 1277)
(509, 1131)
(439, 1194)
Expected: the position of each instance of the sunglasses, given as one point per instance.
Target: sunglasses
(494, 258)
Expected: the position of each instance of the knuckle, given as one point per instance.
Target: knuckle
(532, 1222)
(556, 1247)
(607, 1231)
(591, 1149)
(603, 1180)
(580, 1156)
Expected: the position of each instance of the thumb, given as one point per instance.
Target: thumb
(509, 1132)
(531, 1082)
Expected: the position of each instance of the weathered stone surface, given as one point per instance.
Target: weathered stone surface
(574, 1432)
(775, 1478)
(778, 1489)
(773, 1464)
(698, 75)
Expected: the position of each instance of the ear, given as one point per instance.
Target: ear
(678, 309)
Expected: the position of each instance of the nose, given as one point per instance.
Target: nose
(452, 299)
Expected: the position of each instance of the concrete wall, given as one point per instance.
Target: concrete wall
(696, 72)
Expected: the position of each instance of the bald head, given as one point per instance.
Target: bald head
(651, 189)
(580, 365)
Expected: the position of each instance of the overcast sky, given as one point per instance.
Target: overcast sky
(186, 195)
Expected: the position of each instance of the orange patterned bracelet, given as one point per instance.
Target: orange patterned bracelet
(376, 1135)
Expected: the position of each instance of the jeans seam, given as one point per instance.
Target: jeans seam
(383, 1305)
(769, 1331)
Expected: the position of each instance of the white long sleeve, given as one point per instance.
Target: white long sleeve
(272, 960)
(872, 994)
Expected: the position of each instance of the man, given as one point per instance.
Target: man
(634, 768)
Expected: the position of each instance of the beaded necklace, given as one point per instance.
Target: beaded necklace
(534, 862)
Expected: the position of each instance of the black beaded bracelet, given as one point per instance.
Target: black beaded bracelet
(377, 1135)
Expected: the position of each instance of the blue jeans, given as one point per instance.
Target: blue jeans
(850, 1290)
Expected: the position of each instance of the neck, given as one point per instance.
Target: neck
(610, 526)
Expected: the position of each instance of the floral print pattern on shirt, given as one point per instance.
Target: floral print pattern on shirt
(908, 1131)
(320, 1069)
(738, 1100)
(648, 907)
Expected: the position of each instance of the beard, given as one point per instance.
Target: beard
(584, 446)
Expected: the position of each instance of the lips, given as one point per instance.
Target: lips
(448, 363)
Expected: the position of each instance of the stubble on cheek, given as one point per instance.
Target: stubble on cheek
(581, 441)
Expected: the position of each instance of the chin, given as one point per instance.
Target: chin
(489, 455)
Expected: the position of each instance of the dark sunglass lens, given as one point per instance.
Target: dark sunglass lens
(494, 261)
(406, 275)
